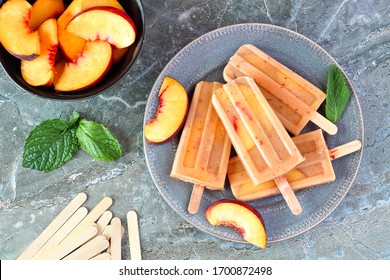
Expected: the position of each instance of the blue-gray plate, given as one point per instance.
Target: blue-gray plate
(204, 59)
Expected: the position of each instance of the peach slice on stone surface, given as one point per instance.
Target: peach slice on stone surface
(243, 217)
(40, 71)
(171, 112)
(15, 34)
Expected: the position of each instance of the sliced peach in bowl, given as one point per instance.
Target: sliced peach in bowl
(40, 71)
(15, 34)
(70, 44)
(72, 49)
(242, 217)
(44, 9)
(95, 3)
(171, 112)
(86, 4)
(87, 70)
(119, 54)
(104, 23)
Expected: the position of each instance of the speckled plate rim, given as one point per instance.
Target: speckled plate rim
(220, 232)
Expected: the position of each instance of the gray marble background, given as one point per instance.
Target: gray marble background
(355, 32)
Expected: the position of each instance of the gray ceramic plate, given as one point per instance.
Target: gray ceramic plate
(204, 59)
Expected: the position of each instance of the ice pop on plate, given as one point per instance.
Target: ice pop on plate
(315, 170)
(204, 148)
(261, 142)
(294, 99)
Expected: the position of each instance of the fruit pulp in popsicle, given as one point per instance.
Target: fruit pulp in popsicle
(261, 142)
(294, 99)
(204, 148)
(315, 170)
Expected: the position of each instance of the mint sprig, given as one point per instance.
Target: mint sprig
(54, 142)
(97, 141)
(337, 94)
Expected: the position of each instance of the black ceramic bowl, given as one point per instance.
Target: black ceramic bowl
(134, 9)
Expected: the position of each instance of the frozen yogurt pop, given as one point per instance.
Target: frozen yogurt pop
(258, 137)
(317, 168)
(204, 148)
(294, 99)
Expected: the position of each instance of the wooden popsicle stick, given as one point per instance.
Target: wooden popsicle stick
(92, 217)
(195, 199)
(101, 257)
(107, 232)
(134, 240)
(324, 123)
(64, 248)
(116, 239)
(345, 149)
(90, 249)
(56, 239)
(288, 195)
(53, 226)
(103, 221)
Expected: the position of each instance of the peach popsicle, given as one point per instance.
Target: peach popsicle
(258, 137)
(204, 148)
(294, 99)
(315, 170)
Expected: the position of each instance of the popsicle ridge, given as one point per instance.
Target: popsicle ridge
(294, 99)
(315, 170)
(259, 138)
(204, 147)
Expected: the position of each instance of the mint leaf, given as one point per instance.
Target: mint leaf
(51, 144)
(337, 94)
(62, 125)
(98, 141)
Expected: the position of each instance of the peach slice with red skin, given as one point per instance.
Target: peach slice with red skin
(40, 71)
(243, 217)
(70, 44)
(104, 23)
(171, 112)
(44, 9)
(15, 34)
(95, 3)
(118, 53)
(87, 70)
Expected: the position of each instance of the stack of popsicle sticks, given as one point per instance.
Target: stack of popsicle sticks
(76, 234)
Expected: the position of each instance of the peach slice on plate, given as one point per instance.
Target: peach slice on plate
(171, 112)
(40, 71)
(242, 217)
(15, 34)
(44, 9)
(104, 23)
(87, 70)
